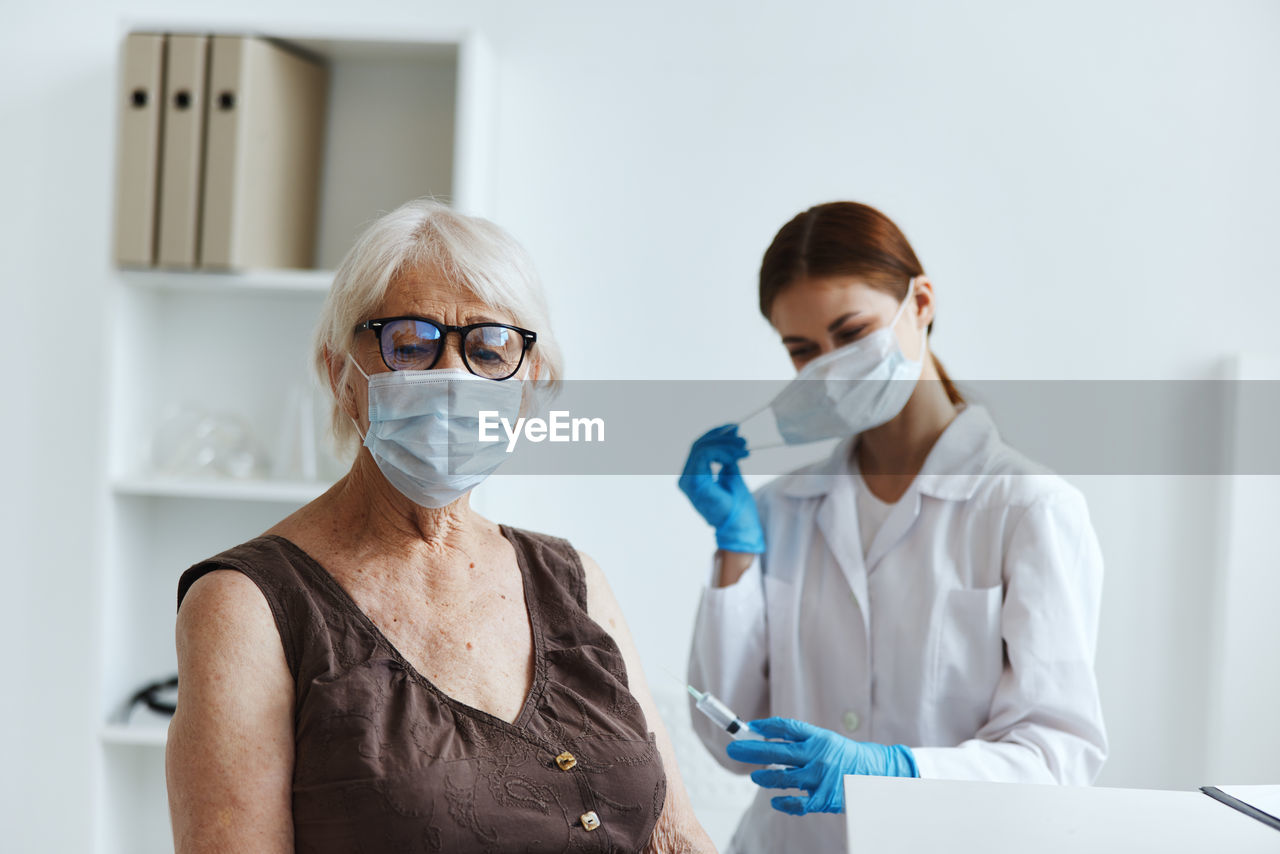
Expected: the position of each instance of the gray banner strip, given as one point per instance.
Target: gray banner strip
(1070, 427)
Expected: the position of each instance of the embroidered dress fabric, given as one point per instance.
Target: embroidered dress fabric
(385, 762)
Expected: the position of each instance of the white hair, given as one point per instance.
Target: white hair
(426, 234)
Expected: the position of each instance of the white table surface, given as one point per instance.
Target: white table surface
(912, 816)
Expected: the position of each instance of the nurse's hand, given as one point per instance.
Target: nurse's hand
(723, 499)
(817, 761)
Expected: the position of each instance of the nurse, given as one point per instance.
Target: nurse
(924, 602)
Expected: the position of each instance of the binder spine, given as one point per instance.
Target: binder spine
(266, 124)
(137, 171)
(182, 161)
(219, 247)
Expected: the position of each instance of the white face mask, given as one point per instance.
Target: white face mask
(424, 430)
(857, 387)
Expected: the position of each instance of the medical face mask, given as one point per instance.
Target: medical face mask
(852, 389)
(424, 430)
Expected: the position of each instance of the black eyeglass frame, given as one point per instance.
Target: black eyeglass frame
(528, 338)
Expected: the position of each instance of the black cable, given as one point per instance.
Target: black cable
(150, 694)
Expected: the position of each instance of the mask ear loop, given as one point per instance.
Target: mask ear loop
(911, 287)
(767, 446)
(751, 415)
(924, 333)
(356, 365)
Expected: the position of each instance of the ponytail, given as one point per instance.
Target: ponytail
(953, 394)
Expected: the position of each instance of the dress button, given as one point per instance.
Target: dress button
(566, 761)
(851, 721)
(590, 820)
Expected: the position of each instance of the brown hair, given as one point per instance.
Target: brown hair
(843, 239)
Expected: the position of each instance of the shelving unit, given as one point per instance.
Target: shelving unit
(270, 491)
(253, 281)
(133, 735)
(407, 116)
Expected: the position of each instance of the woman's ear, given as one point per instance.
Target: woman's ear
(338, 370)
(331, 368)
(925, 301)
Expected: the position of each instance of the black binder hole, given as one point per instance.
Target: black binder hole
(139, 97)
(182, 100)
(227, 101)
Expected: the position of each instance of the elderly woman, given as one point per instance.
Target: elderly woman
(386, 670)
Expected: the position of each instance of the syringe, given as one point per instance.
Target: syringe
(720, 714)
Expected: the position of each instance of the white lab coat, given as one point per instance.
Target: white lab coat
(969, 636)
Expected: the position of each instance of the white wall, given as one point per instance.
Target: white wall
(1093, 186)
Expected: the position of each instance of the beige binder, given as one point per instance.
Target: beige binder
(141, 92)
(182, 157)
(265, 142)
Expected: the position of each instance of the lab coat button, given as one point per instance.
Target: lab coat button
(566, 761)
(590, 820)
(851, 721)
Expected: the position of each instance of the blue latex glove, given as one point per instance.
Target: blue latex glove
(723, 499)
(818, 760)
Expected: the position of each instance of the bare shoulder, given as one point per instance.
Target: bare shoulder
(678, 828)
(590, 569)
(602, 606)
(224, 609)
(231, 663)
(230, 746)
(228, 642)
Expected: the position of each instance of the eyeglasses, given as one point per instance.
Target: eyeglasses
(494, 351)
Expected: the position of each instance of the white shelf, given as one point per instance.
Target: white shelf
(409, 114)
(281, 491)
(248, 281)
(133, 735)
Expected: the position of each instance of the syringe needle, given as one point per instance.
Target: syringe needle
(672, 675)
(693, 692)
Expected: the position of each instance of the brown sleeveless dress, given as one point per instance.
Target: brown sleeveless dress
(387, 763)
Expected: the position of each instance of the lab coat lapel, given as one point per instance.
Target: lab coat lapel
(896, 524)
(951, 471)
(838, 522)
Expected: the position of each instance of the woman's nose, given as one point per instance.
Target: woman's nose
(452, 355)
